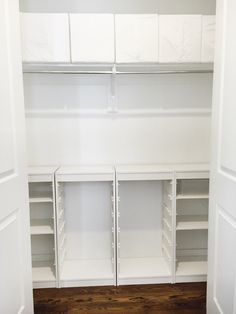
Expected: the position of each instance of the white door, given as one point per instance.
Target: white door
(222, 228)
(15, 263)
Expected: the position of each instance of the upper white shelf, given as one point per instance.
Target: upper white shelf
(159, 171)
(85, 173)
(42, 170)
(117, 69)
(110, 38)
(144, 172)
(41, 174)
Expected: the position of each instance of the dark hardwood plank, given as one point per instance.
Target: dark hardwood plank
(187, 298)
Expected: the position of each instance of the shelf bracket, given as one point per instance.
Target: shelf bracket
(112, 107)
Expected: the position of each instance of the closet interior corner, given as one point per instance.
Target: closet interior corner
(119, 99)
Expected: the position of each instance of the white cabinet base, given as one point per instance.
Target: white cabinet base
(87, 272)
(149, 270)
(43, 275)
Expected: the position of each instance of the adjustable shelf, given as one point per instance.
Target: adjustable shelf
(43, 271)
(192, 225)
(41, 226)
(192, 196)
(192, 222)
(41, 200)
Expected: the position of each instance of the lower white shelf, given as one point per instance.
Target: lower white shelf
(192, 196)
(41, 226)
(40, 200)
(192, 225)
(87, 269)
(191, 268)
(43, 271)
(147, 267)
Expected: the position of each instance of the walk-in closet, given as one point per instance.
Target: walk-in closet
(118, 99)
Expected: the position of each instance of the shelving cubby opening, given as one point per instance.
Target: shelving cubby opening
(144, 232)
(41, 192)
(192, 188)
(191, 255)
(43, 261)
(86, 233)
(192, 204)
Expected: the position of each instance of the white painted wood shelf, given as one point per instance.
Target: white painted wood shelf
(87, 269)
(41, 226)
(143, 267)
(192, 222)
(192, 196)
(192, 225)
(43, 271)
(191, 268)
(40, 200)
(87, 272)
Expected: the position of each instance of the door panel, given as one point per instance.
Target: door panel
(221, 297)
(6, 134)
(225, 262)
(11, 256)
(15, 261)
(228, 143)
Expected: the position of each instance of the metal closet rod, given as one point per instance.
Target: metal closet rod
(118, 72)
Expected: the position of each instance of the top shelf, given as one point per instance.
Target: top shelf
(85, 173)
(117, 69)
(41, 174)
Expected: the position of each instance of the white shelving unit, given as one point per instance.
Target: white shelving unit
(144, 224)
(118, 226)
(192, 194)
(43, 226)
(86, 226)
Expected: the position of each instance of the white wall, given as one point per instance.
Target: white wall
(71, 141)
(140, 225)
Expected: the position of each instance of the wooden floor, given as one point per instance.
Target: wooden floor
(148, 299)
